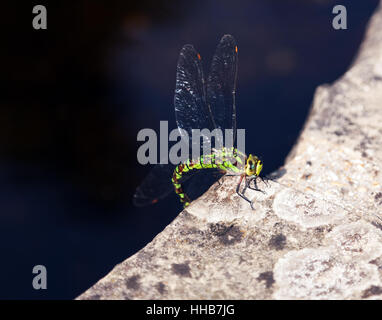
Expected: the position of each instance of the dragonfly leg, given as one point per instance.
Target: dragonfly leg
(242, 194)
(254, 178)
(266, 179)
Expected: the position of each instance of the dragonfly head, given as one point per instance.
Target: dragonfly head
(253, 166)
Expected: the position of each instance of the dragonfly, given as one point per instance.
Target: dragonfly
(201, 104)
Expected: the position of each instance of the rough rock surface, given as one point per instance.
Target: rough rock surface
(315, 234)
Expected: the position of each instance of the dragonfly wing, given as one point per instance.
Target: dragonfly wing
(221, 84)
(156, 185)
(191, 109)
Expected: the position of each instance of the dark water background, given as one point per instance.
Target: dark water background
(74, 97)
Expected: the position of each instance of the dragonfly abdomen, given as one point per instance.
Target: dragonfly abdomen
(213, 161)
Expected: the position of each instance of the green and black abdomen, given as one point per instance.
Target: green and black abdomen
(223, 160)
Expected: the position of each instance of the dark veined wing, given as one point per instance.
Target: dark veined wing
(156, 185)
(221, 84)
(191, 109)
(191, 112)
